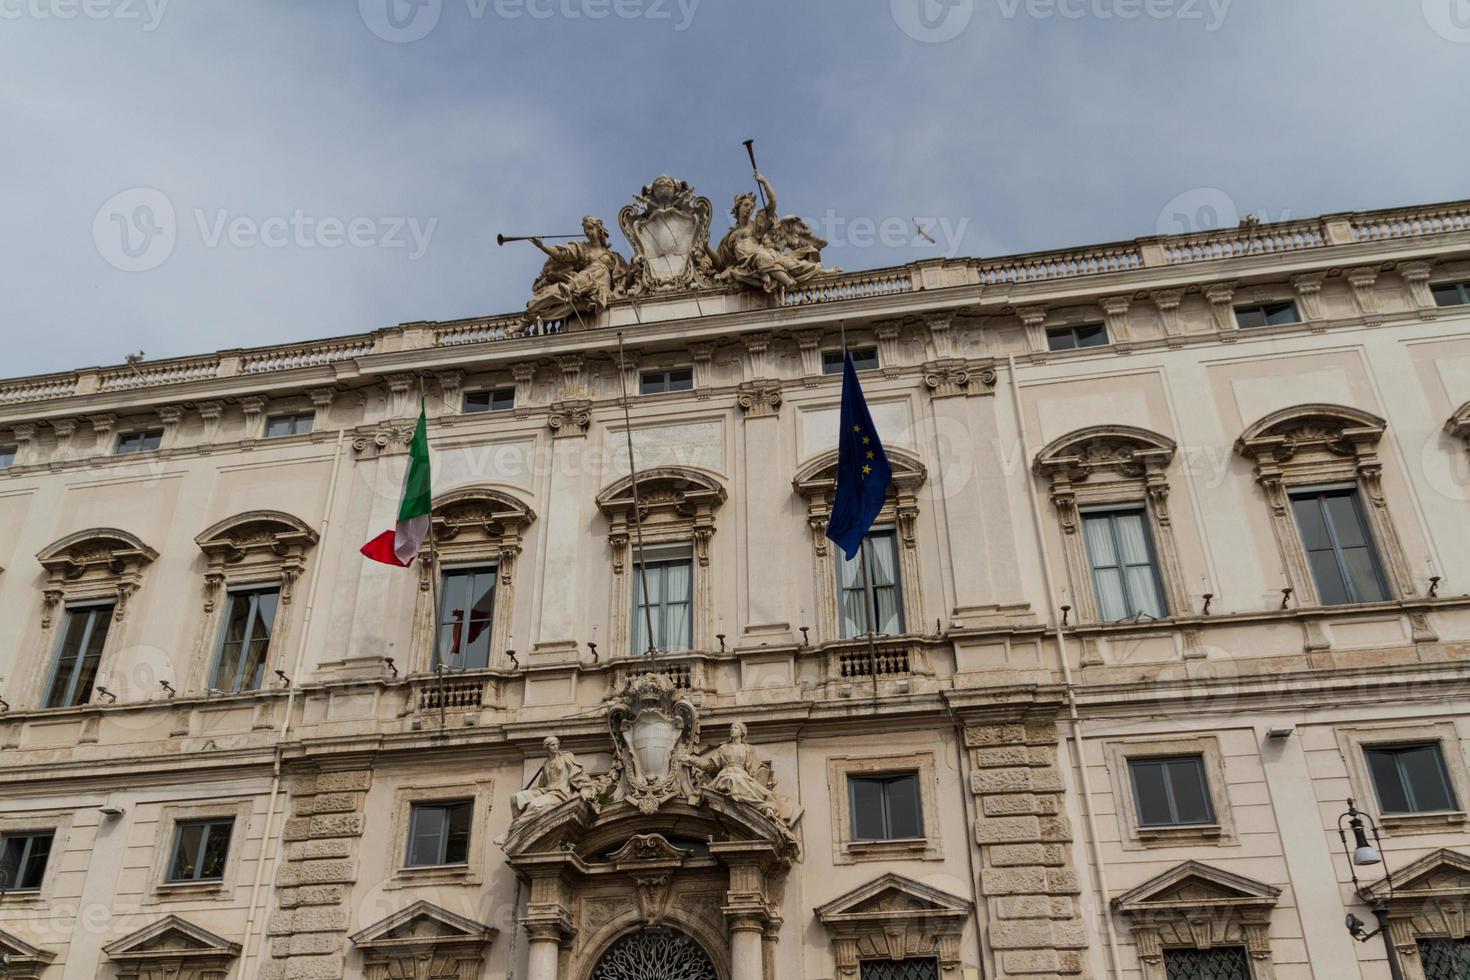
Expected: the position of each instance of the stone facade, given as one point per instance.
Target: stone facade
(1011, 696)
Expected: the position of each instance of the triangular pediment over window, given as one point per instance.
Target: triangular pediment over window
(893, 897)
(896, 918)
(1194, 885)
(174, 943)
(24, 961)
(422, 924)
(1443, 873)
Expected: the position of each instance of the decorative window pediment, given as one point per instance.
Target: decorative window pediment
(424, 935)
(1429, 899)
(255, 546)
(1312, 445)
(94, 564)
(23, 961)
(1195, 906)
(677, 505)
(172, 948)
(895, 918)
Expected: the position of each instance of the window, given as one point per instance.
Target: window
(297, 424)
(925, 969)
(439, 833)
(1339, 547)
(1445, 959)
(78, 652)
(885, 807)
(870, 599)
(23, 860)
(490, 400)
(1215, 963)
(1451, 293)
(7, 456)
(863, 359)
(1266, 314)
(1125, 573)
(658, 382)
(466, 612)
(1073, 338)
(139, 442)
(1171, 792)
(1410, 778)
(250, 616)
(200, 850)
(669, 570)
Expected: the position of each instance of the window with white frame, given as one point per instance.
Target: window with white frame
(292, 424)
(142, 441)
(1451, 293)
(23, 858)
(863, 359)
(439, 833)
(870, 595)
(886, 807)
(78, 654)
(490, 400)
(668, 571)
(1410, 778)
(1267, 314)
(245, 639)
(666, 380)
(1339, 545)
(1125, 571)
(466, 617)
(201, 850)
(1077, 337)
(7, 455)
(1171, 792)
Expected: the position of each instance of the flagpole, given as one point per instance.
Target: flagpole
(652, 651)
(433, 572)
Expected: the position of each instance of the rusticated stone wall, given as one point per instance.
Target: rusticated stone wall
(308, 929)
(1027, 879)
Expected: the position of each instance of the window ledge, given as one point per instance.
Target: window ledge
(917, 848)
(1422, 823)
(169, 891)
(1197, 833)
(438, 874)
(30, 896)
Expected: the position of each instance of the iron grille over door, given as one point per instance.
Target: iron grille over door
(901, 970)
(1221, 963)
(655, 954)
(1445, 959)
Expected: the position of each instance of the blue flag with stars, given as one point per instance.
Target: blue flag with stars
(863, 472)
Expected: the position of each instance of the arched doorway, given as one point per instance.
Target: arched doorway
(655, 954)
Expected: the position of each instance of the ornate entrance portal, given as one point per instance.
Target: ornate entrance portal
(655, 954)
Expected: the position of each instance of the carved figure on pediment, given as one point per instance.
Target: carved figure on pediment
(561, 779)
(766, 250)
(735, 770)
(578, 277)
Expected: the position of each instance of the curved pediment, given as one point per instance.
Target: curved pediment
(98, 548)
(491, 510)
(1333, 427)
(271, 530)
(818, 475)
(1126, 448)
(679, 486)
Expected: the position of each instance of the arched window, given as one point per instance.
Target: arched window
(1110, 487)
(678, 507)
(1323, 478)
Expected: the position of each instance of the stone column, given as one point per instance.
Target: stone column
(748, 906)
(544, 951)
(747, 958)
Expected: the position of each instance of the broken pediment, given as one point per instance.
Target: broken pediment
(172, 943)
(1442, 873)
(422, 924)
(1194, 885)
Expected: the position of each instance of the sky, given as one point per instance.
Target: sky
(183, 176)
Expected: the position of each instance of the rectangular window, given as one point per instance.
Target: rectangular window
(7, 456)
(670, 573)
(490, 400)
(1171, 792)
(439, 833)
(863, 359)
(78, 652)
(23, 860)
(1073, 338)
(907, 969)
(1215, 963)
(1411, 778)
(466, 612)
(674, 379)
(885, 807)
(1451, 293)
(1266, 314)
(245, 639)
(296, 424)
(200, 850)
(139, 442)
(1339, 546)
(1125, 572)
(869, 594)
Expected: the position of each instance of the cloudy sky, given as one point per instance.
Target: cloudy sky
(181, 176)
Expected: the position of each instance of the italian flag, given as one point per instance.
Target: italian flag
(400, 546)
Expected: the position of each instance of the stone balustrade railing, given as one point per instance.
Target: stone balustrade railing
(1233, 243)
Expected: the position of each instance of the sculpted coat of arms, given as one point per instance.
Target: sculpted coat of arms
(668, 227)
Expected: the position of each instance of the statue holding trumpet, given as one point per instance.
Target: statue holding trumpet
(580, 277)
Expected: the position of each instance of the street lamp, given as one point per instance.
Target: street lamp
(1363, 855)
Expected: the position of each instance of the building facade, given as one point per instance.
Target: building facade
(1174, 563)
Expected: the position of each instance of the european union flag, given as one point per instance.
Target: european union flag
(863, 472)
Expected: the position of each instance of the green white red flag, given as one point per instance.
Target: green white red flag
(400, 546)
